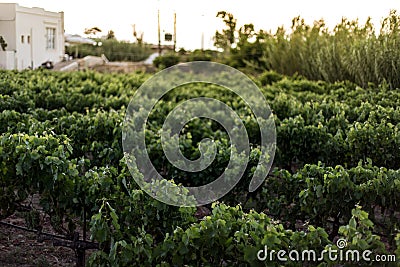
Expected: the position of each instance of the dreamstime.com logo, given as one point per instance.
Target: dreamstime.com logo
(152, 91)
(330, 254)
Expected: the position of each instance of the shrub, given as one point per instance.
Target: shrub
(166, 61)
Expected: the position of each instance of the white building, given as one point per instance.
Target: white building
(33, 36)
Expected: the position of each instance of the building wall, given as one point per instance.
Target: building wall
(30, 35)
(7, 60)
(7, 25)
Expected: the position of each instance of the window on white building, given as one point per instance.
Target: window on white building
(50, 38)
(22, 39)
(28, 39)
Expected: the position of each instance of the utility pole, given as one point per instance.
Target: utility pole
(202, 41)
(174, 31)
(202, 33)
(159, 34)
(31, 46)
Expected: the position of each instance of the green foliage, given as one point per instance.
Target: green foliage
(113, 49)
(398, 245)
(201, 55)
(324, 196)
(349, 52)
(359, 233)
(337, 147)
(166, 61)
(269, 77)
(226, 38)
(38, 165)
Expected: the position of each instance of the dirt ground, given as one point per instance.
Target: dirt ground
(21, 248)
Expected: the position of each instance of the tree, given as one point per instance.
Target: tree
(226, 38)
(92, 31)
(138, 36)
(3, 43)
(110, 35)
(246, 32)
(236, 42)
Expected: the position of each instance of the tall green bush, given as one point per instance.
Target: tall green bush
(114, 50)
(351, 51)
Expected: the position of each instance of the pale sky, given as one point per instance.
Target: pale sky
(197, 17)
